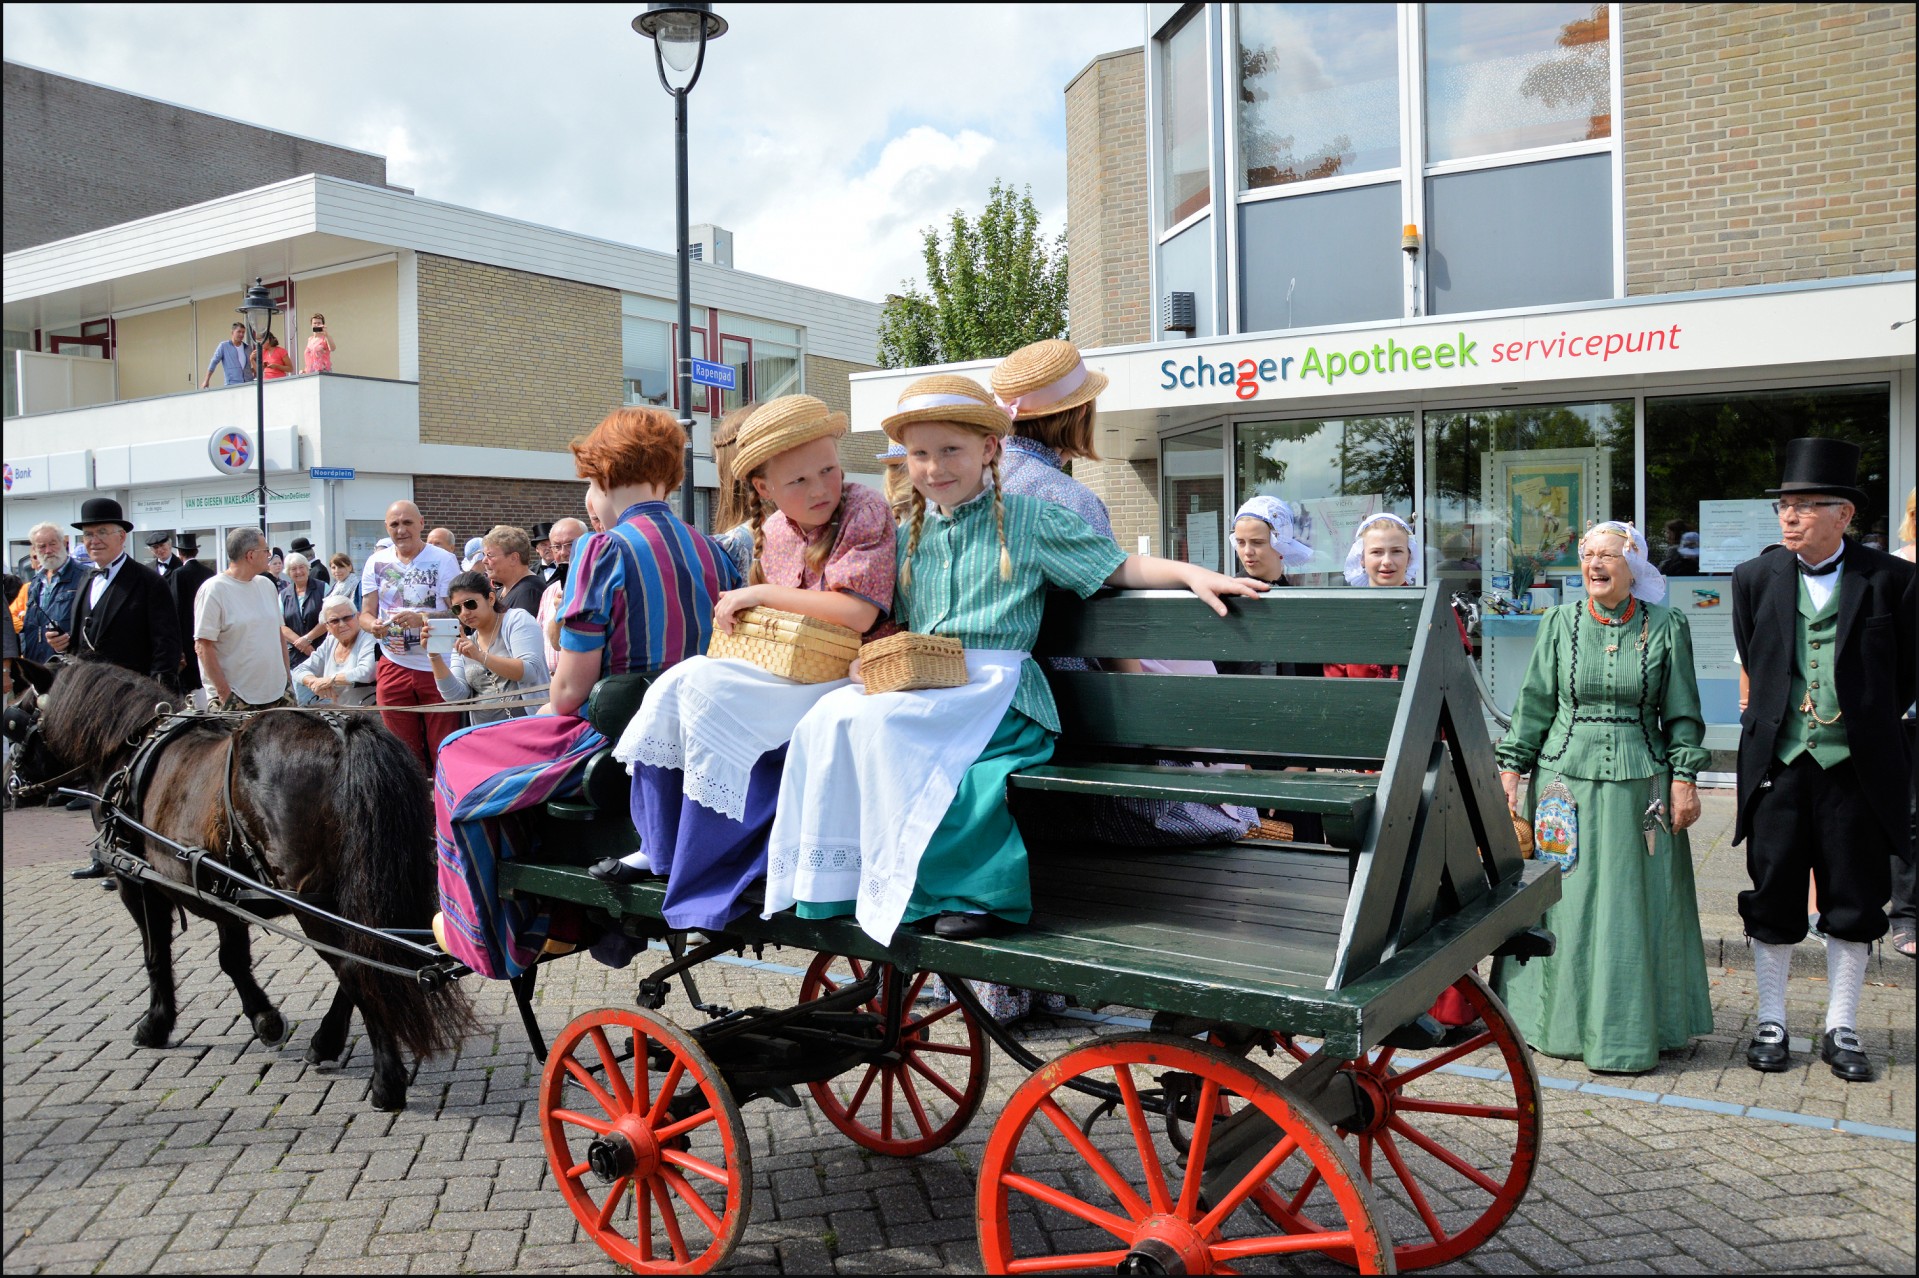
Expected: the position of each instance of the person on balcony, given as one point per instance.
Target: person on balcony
(232, 357)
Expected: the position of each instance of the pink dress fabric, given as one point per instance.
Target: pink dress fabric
(319, 359)
(863, 562)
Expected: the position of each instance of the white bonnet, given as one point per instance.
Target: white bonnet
(1355, 557)
(1648, 582)
(1278, 516)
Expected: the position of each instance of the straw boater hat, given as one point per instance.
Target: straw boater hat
(1045, 378)
(946, 397)
(780, 424)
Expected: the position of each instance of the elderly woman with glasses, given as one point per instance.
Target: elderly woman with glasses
(497, 652)
(340, 671)
(1608, 722)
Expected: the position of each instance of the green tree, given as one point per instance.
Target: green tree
(993, 284)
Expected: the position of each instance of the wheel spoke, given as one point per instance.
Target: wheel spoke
(905, 1081)
(1143, 1140)
(1120, 1229)
(576, 1171)
(614, 1074)
(937, 1014)
(1196, 1150)
(1379, 1063)
(1447, 1057)
(642, 1077)
(686, 1125)
(1366, 1157)
(586, 1080)
(1252, 1180)
(643, 1226)
(953, 1093)
(859, 1093)
(698, 1206)
(668, 1086)
(939, 1049)
(607, 1208)
(1281, 1245)
(671, 1222)
(1054, 1264)
(886, 1104)
(1290, 1218)
(1388, 1147)
(1103, 1168)
(1305, 1192)
(1293, 1049)
(1457, 1109)
(599, 1127)
(697, 1165)
(912, 994)
(1444, 1155)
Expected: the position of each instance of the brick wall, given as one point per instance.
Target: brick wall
(1766, 143)
(471, 505)
(1108, 282)
(1130, 490)
(513, 360)
(826, 380)
(82, 156)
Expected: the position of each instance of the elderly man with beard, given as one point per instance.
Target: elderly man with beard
(50, 593)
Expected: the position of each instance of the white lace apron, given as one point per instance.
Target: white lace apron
(869, 779)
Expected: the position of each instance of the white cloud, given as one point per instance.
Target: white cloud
(823, 136)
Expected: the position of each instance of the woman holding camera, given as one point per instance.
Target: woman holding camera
(499, 653)
(319, 352)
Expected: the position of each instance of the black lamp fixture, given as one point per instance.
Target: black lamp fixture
(679, 33)
(259, 309)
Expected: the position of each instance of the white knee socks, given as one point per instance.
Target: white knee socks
(1769, 964)
(1845, 976)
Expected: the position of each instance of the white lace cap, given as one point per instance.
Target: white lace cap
(1356, 556)
(1278, 516)
(1648, 582)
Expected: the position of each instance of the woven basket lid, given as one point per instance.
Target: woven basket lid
(780, 424)
(1045, 378)
(947, 397)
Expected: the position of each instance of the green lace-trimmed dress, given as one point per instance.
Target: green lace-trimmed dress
(1628, 980)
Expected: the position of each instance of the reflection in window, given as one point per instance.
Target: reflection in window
(1506, 77)
(1730, 448)
(1185, 186)
(1334, 473)
(647, 360)
(1193, 498)
(1510, 490)
(1318, 91)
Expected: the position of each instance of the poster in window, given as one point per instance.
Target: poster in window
(1731, 532)
(1546, 497)
(1202, 539)
(1327, 525)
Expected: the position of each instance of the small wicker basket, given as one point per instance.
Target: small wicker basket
(906, 661)
(803, 649)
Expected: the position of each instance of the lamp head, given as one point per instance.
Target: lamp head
(679, 32)
(259, 307)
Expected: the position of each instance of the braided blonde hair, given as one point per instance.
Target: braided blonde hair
(917, 509)
(757, 576)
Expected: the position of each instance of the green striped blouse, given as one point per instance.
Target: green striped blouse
(957, 590)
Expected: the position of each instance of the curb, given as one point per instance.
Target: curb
(1884, 965)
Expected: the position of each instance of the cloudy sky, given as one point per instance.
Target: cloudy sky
(823, 136)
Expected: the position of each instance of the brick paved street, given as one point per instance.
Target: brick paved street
(219, 1155)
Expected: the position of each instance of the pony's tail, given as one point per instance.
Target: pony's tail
(388, 879)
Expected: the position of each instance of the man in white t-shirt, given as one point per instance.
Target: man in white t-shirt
(236, 630)
(401, 587)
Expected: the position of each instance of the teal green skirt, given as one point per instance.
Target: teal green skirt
(976, 859)
(1628, 979)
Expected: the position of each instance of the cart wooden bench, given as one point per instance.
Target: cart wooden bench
(1287, 981)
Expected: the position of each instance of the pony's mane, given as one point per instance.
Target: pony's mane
(93, 707)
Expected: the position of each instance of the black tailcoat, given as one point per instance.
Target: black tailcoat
(183, 585)
(135, 625)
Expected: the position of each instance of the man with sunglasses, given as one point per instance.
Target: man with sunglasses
(1825, 634)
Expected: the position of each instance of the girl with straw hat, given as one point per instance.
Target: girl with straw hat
(893, 806)
(708, 744)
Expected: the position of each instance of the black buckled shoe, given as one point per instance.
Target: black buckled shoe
(614, 870)
(970, 927)
(1841, 1049)
(1768, 1052)
(91, 870)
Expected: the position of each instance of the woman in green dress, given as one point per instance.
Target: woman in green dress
(1608, 722)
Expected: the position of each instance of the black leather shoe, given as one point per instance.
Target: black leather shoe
(1841, 1049)
(1768, 1052)
(614, 870)
(78, 805)
(970, 927)
(91, 870)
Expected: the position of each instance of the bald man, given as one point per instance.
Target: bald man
(561, 538)
(401, 587)
(443, 538)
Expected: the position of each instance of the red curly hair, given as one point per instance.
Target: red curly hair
(632, 446)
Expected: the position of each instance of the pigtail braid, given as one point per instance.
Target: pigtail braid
(999, 519)
(822, 550)
(913, 538)
(757, 575)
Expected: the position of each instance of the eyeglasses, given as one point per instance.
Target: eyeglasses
(1600, 556)
(1783, 508)
(465, 604)
(340, 621)
(561, 545)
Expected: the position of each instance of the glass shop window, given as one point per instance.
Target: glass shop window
(1510, 77)
(1318, 91)
(1185, 181)
(1193, 498)
(1334, 472)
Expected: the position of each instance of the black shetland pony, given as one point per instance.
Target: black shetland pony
(340, 815)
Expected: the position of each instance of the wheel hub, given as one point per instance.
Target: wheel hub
(628, 1150)
(1374, 1103)
(1165, 1245)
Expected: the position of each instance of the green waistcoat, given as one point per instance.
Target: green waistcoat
(1815, 653)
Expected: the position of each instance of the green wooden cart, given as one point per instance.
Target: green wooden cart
(1293, 1095)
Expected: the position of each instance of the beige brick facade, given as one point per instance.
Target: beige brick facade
(513, 360)
(1131, 493)
(470, 505)
(826, 380)
(1766, 143)
(1108, 284)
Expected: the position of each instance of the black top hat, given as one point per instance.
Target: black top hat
(1821, 466)
(303, 546)
(542, 531)
(187, 544)
(101, 510)
(155, 538)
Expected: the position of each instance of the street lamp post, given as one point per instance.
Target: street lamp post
(679, 32)
(260, 310)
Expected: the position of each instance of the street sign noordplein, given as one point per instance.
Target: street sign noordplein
(330, 472)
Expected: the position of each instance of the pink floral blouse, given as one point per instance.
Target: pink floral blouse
(318, 359)
(863, 560)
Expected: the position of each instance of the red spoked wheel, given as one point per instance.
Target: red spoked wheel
(645, 1141)
(918, 1097)
(1131, 1202)
(1450, 1154)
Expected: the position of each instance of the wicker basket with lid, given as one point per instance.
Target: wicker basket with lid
(908, 661)
(803, 649)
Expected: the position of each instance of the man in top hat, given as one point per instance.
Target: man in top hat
(123, 613)
(183, 586)
(304, 546)
(541, 535)
(1825, 634)
(160, 543)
